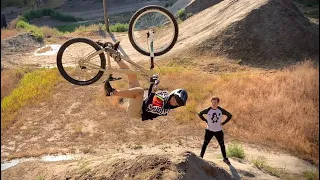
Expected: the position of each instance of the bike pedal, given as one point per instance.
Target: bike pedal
(114, 78)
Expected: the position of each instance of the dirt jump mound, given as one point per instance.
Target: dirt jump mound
(121, 166)
(23, 42)
(194, 167)
(15, 47)
(261, 32)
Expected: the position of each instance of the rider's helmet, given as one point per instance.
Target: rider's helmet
(181, 96)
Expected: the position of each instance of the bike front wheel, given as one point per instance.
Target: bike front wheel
(74, 64)
(163, 24)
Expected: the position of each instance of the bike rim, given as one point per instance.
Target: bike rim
(162, 25)
(72, 62)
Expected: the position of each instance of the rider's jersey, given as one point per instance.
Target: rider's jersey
(156, 105)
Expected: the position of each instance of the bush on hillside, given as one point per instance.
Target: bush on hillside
(181, 14)
(34, 30)
(119, 27)
(47, 12)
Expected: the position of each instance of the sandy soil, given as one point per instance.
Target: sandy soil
(167, 161)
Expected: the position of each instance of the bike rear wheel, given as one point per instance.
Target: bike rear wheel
(161, 21)
(69, 63)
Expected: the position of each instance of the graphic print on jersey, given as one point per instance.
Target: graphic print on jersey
(157, 105)
(215, 118)
(157, 101)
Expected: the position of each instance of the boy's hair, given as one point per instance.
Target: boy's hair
(215, 98)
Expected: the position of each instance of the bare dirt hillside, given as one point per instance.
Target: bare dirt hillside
(260, 33)
(196, 6)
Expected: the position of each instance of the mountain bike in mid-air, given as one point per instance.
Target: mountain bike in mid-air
(153, 31)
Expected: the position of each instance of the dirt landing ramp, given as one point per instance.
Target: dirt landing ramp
(194, 167)
(260, 33)
(121, 166)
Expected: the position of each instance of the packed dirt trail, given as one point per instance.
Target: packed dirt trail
(19, 58)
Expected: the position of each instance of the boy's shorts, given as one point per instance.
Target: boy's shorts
(134, 108)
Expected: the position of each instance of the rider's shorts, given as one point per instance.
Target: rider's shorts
(134, 108)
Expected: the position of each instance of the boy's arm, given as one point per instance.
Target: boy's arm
(201, 113)
(225, 112)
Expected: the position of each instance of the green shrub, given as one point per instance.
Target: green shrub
(34, 30)
(189, 15)
(235, 150)
(310, 175)
(72, 27)
(312, 14)
(260, 163)
(181, 14)
(119, 27)
(48, 12)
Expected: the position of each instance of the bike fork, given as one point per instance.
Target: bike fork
(150, 36)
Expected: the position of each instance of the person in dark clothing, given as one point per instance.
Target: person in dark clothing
(156, 104)
(214, 126)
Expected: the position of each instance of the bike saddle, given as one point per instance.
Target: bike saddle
(116, 45)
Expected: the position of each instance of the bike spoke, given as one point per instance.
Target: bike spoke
(73, 56)
(160, 23)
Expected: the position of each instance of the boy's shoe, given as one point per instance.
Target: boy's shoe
(226, 161)
(108, 89)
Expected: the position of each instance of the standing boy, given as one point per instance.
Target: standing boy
(214, 126)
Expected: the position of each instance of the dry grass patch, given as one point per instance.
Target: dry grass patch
(6, 33)
(35, 153)
(279, 109)
(50, 32)
(10, 79)
(34, 87)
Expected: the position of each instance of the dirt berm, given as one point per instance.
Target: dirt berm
(260, 32)
(186, 166)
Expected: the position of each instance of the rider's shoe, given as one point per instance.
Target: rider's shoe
(226, 160)
(108, 89)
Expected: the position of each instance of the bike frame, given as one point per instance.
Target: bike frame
(139, 70)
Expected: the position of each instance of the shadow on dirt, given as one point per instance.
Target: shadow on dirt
(194, 167)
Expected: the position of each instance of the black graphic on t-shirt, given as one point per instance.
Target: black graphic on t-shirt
(214, 118)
